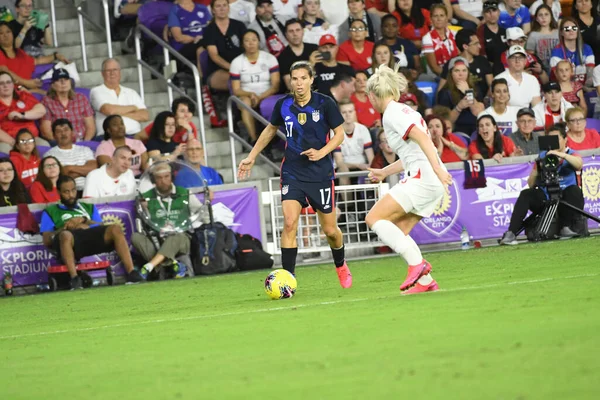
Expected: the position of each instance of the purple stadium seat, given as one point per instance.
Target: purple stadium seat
(593, 123)
(42, 150)
(92, 145)
(154, 15)
(3, 155)
(267, 105)
(84, 91)
(38, 96)
(464, 137)
(41, 70)
(591, 98)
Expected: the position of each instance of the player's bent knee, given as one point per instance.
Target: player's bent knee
(65, 236)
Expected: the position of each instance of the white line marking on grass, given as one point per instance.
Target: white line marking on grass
(282, 308)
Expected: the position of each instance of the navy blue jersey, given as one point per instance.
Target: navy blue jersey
(306, 127)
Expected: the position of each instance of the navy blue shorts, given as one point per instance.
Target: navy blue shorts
(320, 195)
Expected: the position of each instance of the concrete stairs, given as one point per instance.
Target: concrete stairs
(67, 26)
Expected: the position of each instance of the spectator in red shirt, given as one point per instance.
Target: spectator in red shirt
(578, 136)
(63, 102)
(385, 155)
(413, 21)
(365, 112)
(18, 110)
(357, 51)
(25, 157)
(19, 64)
(184, 111)
(379, 7)
(44, 189)
(449, 146)
(490, 143)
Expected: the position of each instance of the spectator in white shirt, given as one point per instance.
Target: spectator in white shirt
(77, 161)
(112, 179)
(552, 109)
(524, 88)
(356, 151)
(112, 98)
(254, 77)
(504, 114)
(242, 10)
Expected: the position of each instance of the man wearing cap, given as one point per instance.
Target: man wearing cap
(111, 98)
(524, 88)
(491, 35)
(270, 29)
(513, 13)
(524, 138)
(63, 102)
(328, 69)
(371, 20)
(469, 46)
(516, 37)
(552, 109)
(410, 100)
(296, 50)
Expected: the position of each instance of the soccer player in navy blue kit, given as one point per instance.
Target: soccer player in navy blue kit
(307, 170)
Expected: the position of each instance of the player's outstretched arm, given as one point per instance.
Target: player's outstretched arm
(425, 143)
(334, 143)
(264, 139)
(378, 175)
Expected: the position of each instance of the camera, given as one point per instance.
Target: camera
(547, 167)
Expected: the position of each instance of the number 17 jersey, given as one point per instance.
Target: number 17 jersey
(305, 128)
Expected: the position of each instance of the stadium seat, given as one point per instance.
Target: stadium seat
(41, 70)
(267, 105)
(42, 150)
(3, 155)
(91, 145)
(593, 123)
(430, 89)
(465, 138)
(591, 98)
(154, 16)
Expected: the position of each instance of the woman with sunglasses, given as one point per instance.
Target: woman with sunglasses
(44, 189)
(572, 48)
(578, 136)
(25, 157)
(357, 52)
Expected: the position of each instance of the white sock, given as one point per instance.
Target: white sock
(148, 267)
(425, 280)
(393, 237)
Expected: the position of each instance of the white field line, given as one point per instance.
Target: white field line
(283, 308)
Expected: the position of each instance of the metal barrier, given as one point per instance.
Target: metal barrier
(106, 28)
(53, 19)
(139, 29)
(352, 204)
(233, 137)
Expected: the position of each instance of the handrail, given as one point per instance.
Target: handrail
(233, 136)
(53, 21)
(82, 14)
(166, 50)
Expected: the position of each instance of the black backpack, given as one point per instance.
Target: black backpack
(213, 249)
(250, 254)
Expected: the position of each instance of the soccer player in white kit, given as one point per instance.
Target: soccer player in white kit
(426, 179)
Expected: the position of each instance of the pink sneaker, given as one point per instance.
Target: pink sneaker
(418, 288)
(414, 273)
(344, 276)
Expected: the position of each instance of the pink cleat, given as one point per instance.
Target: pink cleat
(418, 288)
(344, 276)
(414, 273)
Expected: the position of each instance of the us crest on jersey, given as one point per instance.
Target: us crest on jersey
(316, 115)
(285, 189)
(302, 118)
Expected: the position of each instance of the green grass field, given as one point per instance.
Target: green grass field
(509, 323)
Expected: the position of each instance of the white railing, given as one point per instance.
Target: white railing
(233, 137)
(53, 19)
(106, 28)
(167, 50)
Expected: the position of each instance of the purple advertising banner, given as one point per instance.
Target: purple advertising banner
(27, 259)
(486, 212)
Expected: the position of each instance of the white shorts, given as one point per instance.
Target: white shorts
(418, 195)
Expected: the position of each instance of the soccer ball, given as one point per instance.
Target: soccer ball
(280, 284)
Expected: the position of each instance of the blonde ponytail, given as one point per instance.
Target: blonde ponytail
(386, 82)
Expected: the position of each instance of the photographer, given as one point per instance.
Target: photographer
(168, 208)
(535, 197)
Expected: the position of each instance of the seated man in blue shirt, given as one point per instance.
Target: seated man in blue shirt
(74, 230)
(194, 155)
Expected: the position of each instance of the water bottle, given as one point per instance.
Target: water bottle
(96, 282)
(42, 287)
(464, 239)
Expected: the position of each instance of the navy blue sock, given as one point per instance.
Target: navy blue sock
(339, 257)
(288, 258)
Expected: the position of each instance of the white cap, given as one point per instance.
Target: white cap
(515, 33)
(515, 50)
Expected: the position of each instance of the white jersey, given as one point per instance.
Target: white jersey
(398, 120)
(254, 77)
